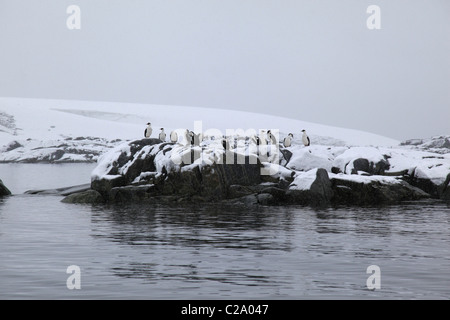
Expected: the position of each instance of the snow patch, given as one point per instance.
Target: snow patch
(303, 180)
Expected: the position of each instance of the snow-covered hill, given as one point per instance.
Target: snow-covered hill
(61, 130)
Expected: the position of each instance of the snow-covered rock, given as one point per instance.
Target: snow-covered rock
(354, 160)
(308, 158)
(78, 149)
(53, 131)
(436, 144)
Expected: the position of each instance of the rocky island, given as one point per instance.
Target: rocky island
(152, 171)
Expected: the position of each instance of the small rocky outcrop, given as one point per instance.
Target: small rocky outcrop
(319, 193)
(4, 191)
(373, 192)
(89, 196)
(152, 171)
(374, 162)
(444, 189)
(148, 169)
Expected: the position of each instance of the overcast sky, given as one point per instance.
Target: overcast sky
(313, 60)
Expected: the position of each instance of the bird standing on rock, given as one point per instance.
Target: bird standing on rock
(162, 135)
(173, 137)
(148, 130)
(271, 138)
(288, 140)
(305, 138)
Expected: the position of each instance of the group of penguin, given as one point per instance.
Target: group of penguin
(190, 135)
(287, 142)
(195, 139)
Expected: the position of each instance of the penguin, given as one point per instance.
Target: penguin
(271, 138)
(162, 135)
(192, 137)
(173, 137)
(197, 139)
(225, 143)
(148, 130)
(287, 142)
(305, 138)
(187, 137)
(262, 139)
(255, 139)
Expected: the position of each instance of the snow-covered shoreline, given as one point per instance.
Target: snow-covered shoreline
(58, 131)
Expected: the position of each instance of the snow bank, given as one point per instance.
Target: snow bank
(365, 179)
(58, 118)
(345, 160)
(307, 158)
(106, 162)
(420, 164)
(303, 180)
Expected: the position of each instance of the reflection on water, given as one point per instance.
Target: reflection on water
(226, 252)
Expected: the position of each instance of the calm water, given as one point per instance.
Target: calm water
(134, 252)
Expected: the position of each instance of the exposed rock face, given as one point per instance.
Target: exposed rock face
(373, 193)
(188, 179)
(444, 189)
(67, 150)
(90, 196)
(4, 191)
(438, 144)
(320, 192)
(351, 162)
(371, 168)
(151, 171)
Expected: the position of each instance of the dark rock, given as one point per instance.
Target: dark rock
(424, 184)
(360, 165)
(211, 182)
(444, 189)
(287, 155)
(248, 201)
(300, 197)
(238, 191)
(131, 193)
(412, 142)
(61, 191)
(335, 170)
(4, 191)
(371, 168)
(278, 195)
(373, 193)
(104, 186)
(90, 196)
(321, 190)
(320, 193)
(13, 145)
(265, 199)
(181, 183)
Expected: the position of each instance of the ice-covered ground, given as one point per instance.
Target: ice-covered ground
(40, 124)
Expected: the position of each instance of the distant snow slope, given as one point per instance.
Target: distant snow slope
(42, 120)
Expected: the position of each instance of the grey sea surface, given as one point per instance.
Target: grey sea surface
(213, 252)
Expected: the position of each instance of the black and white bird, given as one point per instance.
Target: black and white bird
(192, 137)
(173, 137)
(271, 138)
(196, 138)
(287, 142)
(262, 138)
(188, 137)
(162, 135)
(148, 130)
(305, 138)
(225, 143)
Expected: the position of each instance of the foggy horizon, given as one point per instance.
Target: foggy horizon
(314, 61)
